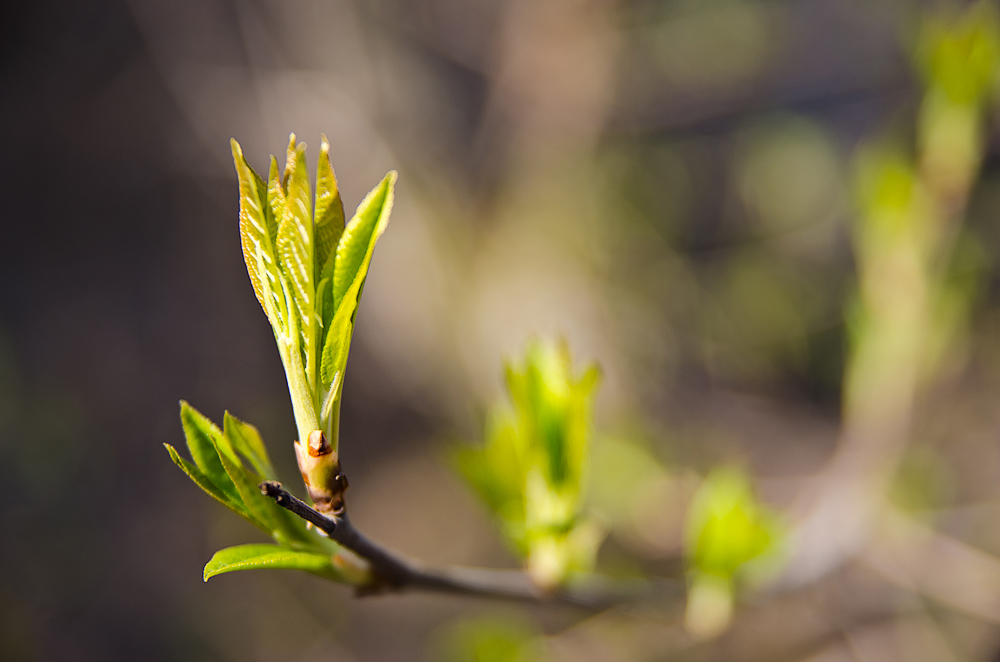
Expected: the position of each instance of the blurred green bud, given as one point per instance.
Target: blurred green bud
(959, 57)
(491, 639)
(959, 52)
(729, 535)
(530, 471)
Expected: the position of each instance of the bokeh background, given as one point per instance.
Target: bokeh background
(678, 188)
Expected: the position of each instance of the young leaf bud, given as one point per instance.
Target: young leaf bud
(320, 469)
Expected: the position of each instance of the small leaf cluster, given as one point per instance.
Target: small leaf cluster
(958, 54)
(308, 270)
(727, 526)
(530, 471)
(729, 535)
(220, 469)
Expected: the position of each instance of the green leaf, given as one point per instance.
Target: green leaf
(202, 481)
(353, 256)
(338, 343)
(257, 228)
(219, 471)
(289, 162)
(356, 245)
(329, 213)
(247, 441)
(727, 526)
(203, 437)
(253, 557)
(275, 199)
(295, 252)
(264, 512)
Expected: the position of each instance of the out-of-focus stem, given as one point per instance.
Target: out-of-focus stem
(903, 245)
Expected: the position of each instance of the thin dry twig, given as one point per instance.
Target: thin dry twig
(395, 574)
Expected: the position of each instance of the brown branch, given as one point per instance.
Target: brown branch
(920, 559)
(394, 574)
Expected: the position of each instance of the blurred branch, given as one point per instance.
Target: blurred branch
(920, 559)
(394, 574)
(911, 210)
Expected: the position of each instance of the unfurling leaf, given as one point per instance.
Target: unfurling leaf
(275, 200)
(202, 439)
(349, 270)
(308, 271)
(329, 212)
(295, 250)
(257, 231)
(357, 243)
(245, 438)
(264, 513)
(205, 483)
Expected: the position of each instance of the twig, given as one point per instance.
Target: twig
(918, 558)
(393, 573)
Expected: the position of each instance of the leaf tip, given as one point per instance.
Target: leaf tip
(389, 181)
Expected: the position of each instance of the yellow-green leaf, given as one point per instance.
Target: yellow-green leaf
(296, 251)
(255, 557)
(275, 199)
(329, 214)
(203, 437)
(257, 229)
(202, 481)
(246, 439)
(355, 248)
(338, 343)
(264, 512)
(354, 254)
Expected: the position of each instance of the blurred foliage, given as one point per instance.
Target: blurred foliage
(636, 497)
(917, 265)
(729, 537)
(490, 639)
(958, 54)
(924, 483)
(770, 308)
(530, 470)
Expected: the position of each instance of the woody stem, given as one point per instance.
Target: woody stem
(393, 573)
